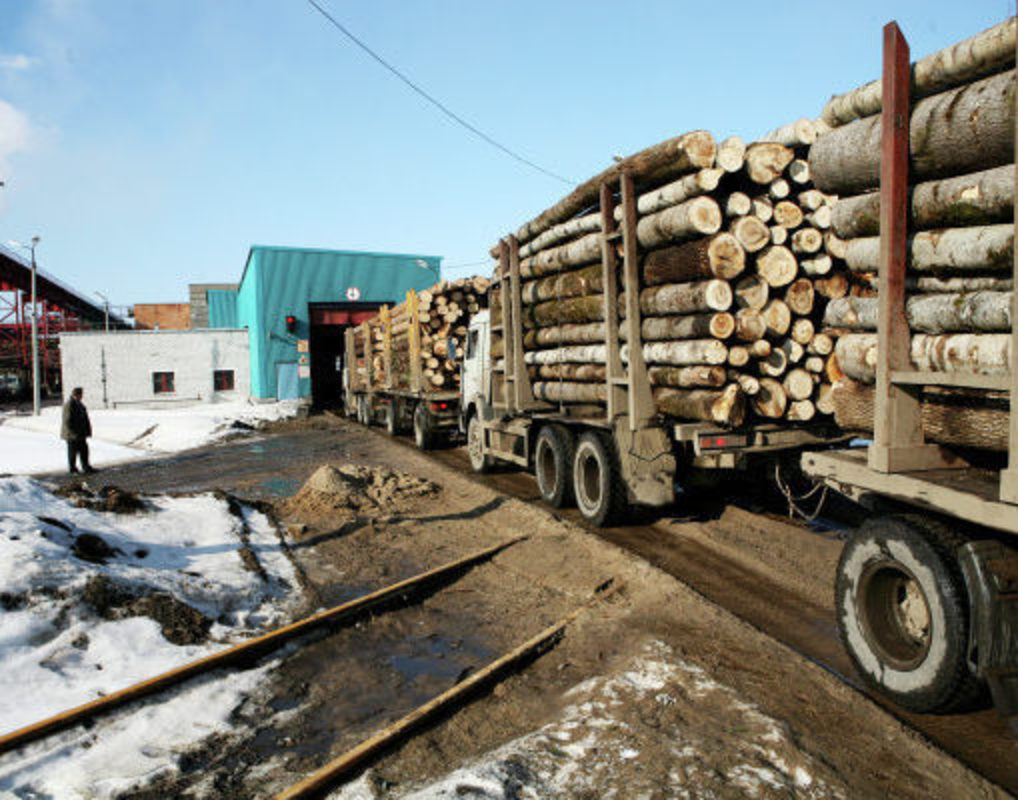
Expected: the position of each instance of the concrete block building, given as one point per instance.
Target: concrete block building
(155, 368)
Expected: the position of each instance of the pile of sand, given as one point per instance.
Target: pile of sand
(356, 490)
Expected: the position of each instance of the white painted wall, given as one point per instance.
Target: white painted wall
(131, 358)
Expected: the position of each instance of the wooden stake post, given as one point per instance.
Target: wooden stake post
(615, 376)
(898, 443)
(414, 340)
(386, 321)
(516, 369)
(369, 363)
(1009, 477)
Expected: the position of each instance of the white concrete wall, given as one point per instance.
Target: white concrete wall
(131, 357)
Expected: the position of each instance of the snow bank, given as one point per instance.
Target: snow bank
(660, 721)
(32, 444)
(60, 647)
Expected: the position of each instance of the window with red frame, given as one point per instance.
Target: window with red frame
(222, 380)
(162, 382)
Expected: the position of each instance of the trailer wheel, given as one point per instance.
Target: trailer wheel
(597, 481)
(479, 462)
(392, 411)
(553, 465)
(903, 613)
(423, 435)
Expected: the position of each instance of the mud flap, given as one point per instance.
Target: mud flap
(647, 464)
(991, 577)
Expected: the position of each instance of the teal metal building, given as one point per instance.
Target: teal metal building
(296, 304)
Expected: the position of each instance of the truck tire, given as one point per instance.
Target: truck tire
(553, 465)
(903, 613)
(392, 410)
(423, 435)
(479, 462)
(597, 481)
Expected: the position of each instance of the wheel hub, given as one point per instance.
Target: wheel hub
(895, 614)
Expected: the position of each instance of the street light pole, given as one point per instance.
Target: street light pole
(106, 308)
(36, 394)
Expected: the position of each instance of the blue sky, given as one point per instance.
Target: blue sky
(149, 143)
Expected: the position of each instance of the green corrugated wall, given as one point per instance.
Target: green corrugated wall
(222, 308)
(279, 281)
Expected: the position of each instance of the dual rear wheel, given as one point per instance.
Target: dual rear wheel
(583, 470)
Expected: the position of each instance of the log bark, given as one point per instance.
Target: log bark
(680, 353)
(589, 308)
(777, 266)
(983, 247)
(700, 216)
(751, 233)
(986, 354)
(560, 233)
(934, 284)
(975, 312)
(571, 372)
(800, 133)
(570, 392)
(578, 253)
(685, 298)
(679, 191)
(720, 256)
(981, 198)
(963, 130)
(765, 161)
(771, 401)
(566, 284)
(688, 377)
(725, 407)
(949, 416)
(990, 51)
(661, 162)
(751, 292)
(799, 297)
(687, 326)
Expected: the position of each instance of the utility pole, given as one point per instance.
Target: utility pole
(36, 393)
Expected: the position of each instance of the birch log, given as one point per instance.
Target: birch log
(567, 284)
(982, 247)
(751, 292)
(751, 233)
(963, 130)
(990, 51)
(582, 251)
(684, 298)
(679, 191)
(770, 401)
(981, 198)
(688, 377)
(560, 233)
(794, 134)
(765, 161)
(980, 353)
(777, 266)
(700, 216)
(975, 312)
(731, 154)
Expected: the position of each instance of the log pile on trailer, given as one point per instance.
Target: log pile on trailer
(961, 246)
(408, 344)
(736, 260)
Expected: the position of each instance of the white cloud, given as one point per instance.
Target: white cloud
(15, 133)
(16, 61)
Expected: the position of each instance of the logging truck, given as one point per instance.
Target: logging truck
(401, 365)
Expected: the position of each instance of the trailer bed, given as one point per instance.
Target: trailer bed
(966, 493)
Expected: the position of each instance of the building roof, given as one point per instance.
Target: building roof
(315, 254)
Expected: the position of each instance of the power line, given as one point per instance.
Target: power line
(469, 264)
(448, 112)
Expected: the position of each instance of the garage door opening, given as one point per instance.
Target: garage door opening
(328, 323)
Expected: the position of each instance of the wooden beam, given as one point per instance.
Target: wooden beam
(1009, 476)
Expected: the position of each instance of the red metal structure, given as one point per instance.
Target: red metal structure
(60, 309)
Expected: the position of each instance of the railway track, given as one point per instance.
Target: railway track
(979, 739)
(397, 595)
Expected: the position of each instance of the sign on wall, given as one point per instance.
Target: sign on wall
(302, 345)
(303, 371)
(353, 294)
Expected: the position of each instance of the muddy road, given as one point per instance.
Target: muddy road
(771, 574)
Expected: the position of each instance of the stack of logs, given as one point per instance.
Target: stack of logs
(443, 317)
(737, 259)
(960, 256)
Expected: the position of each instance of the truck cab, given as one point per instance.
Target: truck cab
(474, 368)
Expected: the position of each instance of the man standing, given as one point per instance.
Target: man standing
(75, 429)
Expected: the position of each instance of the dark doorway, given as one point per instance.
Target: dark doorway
(328, 324)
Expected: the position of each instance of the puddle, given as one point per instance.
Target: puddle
(437, 658)
(279, 487)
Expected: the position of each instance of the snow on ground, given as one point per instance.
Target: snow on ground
(660, 728)
(60, 646)
(31, 444)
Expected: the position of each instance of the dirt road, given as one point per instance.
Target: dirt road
(725, 682)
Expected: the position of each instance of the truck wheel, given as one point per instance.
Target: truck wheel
(553, 465)
(600, 495)
(392, 418)
(903, 613)
(423, 435)
(479, 462)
